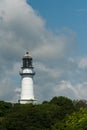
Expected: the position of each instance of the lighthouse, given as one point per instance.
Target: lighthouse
(27, 73)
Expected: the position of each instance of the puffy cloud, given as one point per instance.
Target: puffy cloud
(66, 88)
(74, 91)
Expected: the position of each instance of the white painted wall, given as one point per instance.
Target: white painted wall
(27, 92)
(27, 88)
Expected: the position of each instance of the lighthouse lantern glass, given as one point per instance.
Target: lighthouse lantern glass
(27, 62)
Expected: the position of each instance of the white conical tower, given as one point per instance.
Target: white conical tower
(27, 73)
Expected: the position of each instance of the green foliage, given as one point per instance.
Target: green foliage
(4, 108)
(62, 101)
(77, 120)
(30, 117)
(65, 104)
(61, 113)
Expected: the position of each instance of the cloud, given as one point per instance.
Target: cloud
(77, 91)
(83, 63)
(82, 10)
(65, 88)
(21, 29)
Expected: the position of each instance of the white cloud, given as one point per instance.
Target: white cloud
(74, 91)
(65, 88)
(83, 63)
(52, 72)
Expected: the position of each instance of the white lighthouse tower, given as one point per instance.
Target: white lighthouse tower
(27, 73)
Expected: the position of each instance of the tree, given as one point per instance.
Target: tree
(66, 105)
(5, 108)
(58, 114)
(75, 121)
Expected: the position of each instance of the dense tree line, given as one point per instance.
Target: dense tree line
(60, 113)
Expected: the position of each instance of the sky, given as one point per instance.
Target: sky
(59, 14)
(54, 32)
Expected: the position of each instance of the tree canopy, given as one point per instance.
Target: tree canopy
(60, 113)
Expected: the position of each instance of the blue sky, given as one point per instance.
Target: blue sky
(70, 14)
(54, 31)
